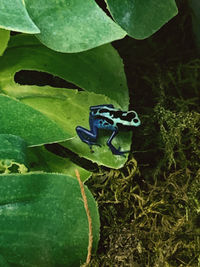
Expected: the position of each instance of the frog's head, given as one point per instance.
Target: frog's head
(135, 121)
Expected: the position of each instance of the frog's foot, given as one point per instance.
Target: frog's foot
(118, 151)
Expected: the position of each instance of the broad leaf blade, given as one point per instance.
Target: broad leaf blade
(43, 220)
(72, 25)
(70, 110)
(14, 16)
(140, 19)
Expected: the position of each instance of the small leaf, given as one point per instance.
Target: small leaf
(31, 125)
(12, 153)
(140, 19)
(4, 38)
(43, 221)
(73, 25)
(14, 16)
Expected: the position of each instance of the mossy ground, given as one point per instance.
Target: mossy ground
(150, 209)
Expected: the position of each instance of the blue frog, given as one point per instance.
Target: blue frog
(109, 118)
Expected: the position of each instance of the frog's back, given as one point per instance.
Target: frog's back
(115, 118)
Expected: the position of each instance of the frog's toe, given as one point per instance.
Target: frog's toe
(91, 150)
(118, 151)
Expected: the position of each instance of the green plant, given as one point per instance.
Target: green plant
(33, 116)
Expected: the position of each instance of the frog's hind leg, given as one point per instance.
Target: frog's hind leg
(114, 150)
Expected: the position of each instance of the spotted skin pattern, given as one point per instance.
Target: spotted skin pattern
(107, 117)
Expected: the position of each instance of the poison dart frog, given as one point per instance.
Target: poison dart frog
(109, 118)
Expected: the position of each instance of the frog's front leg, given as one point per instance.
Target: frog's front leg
(88, 136)
(114, 150)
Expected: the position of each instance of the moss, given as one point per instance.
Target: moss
(179, 130)
(146, 224)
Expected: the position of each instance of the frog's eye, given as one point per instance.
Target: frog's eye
(136, 120)
(94, 112)
(129, 116)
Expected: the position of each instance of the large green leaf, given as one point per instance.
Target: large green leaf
(69, 108)
(4, 38)
(72, 25)
(141, 18)
(99, 70)
(43, 221)
(31, 125)
(14, 16)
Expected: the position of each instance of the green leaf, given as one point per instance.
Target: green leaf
(42, 160)
(99, 70)
(12, 154)
(72, 25)
(4, 38)
(69, 110)
(14, 16)
(31, 125)
(43, 221)
(140, 19)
